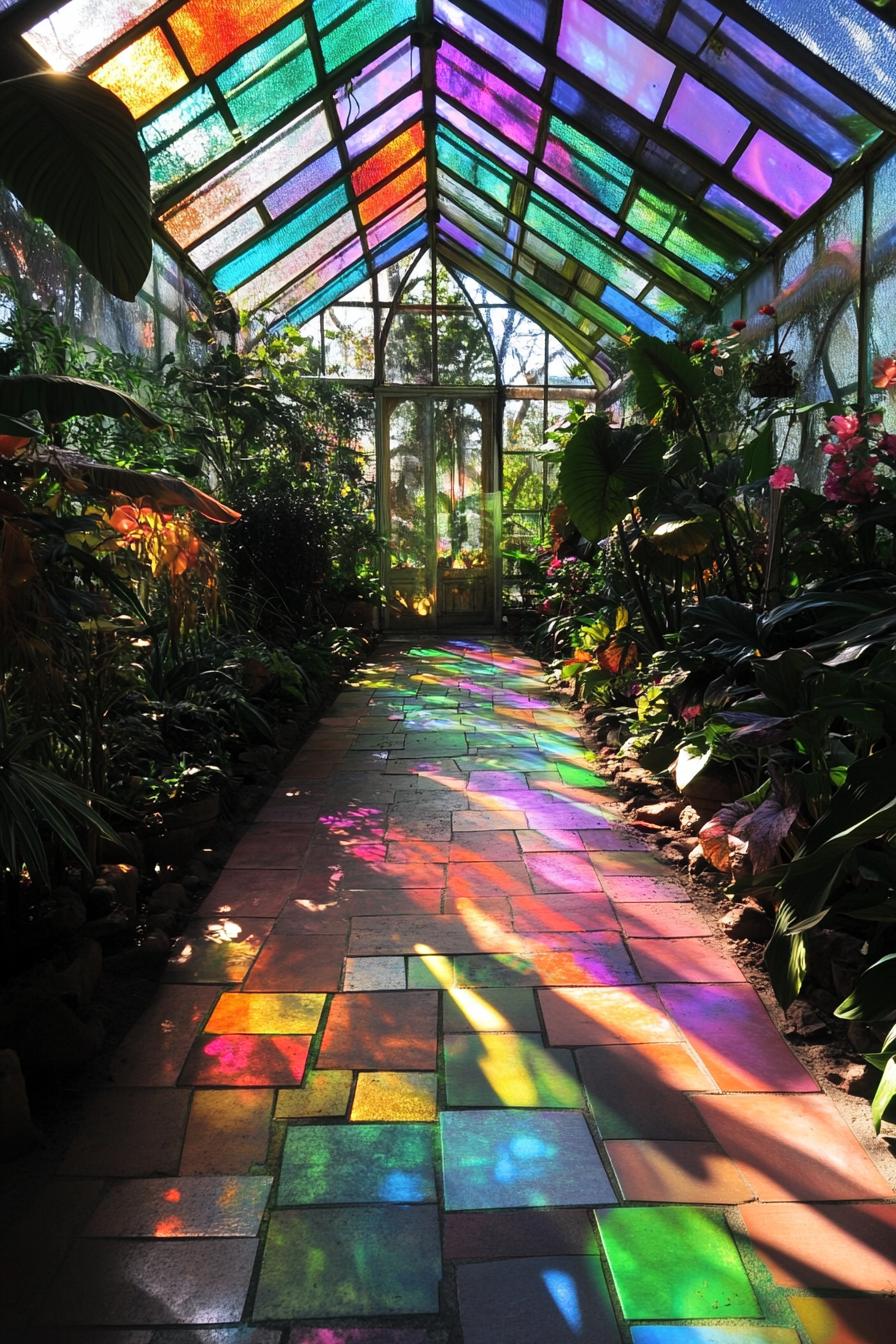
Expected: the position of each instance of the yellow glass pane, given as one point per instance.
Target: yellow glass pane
(143, 74)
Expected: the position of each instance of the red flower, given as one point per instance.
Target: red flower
(697, 346)
(767, 310)
(738, 324)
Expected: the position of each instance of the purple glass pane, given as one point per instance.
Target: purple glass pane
(612, 129)
(383, 128)
(312, 281)
(490, 98)
(529, 15)
(459, 21)
(484, 139)
(704, 119)
(560, 193)
(303, 183)
(392, 223)
(378, 81)
(613, 57)
(739, 216)
(778, 173)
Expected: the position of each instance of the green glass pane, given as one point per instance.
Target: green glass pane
(484, 211)
(661, 262)
(269, 77)
(661, 222)
(608, 321)
(185, 113)
(581, 161)
(674, 1264)
(347, 27)
(658, 301)
(289, 235)
(551, 222)
(194, 149)
(479, 171)
(568, 313)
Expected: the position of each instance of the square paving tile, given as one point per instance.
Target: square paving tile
(794, 1147)
(847, 1320)
(549, 840)
(559, 1298)
(520, 1159)
(508, 1233)
(153, 1052)
(730, 1030)
(298, 963)
(661, 919)
(371, 973)
(605, 963)
(387, 1030)
(395, 1096)
(628, 863)
(246, 1061)
(487, 820)
(385, 935)
(843, 1246)
(322, 1093)
(483, 847)
(675, 1263)
(432, 971)
(688, 960)
(562, 872)
(642, 889)
(605, 1016)
(266, 1014)
(606, 839)
(249, 892)
(486, 1010)
(123, 1132)
(638, 1091)
(186, 1206)
(160, 1282)
(216, 952)
(266, 846)
(663, 1171)
(476, 880)
(228, 1130)
(328, 1263)
(357, 1164)
(569, 912)
(508, 1069)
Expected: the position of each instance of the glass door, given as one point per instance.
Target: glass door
(437, 499)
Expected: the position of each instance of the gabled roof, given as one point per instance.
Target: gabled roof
(599, 165)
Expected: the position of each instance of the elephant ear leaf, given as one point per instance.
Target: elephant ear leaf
(57, 398)
(69, 152)
(603, 469)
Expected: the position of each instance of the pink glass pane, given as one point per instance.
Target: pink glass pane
(377, 82)
(778, 173)
(318, 276)
(490, 98)
(573, 202)
(390, 224)
(613, 57)
(384, 127)
(480, 137)
(704, 119)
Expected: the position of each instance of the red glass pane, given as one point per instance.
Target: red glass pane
(385, 161)
(393, 192)
(209, 30)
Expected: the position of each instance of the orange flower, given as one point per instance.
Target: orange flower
(582, 656)
(884, 371)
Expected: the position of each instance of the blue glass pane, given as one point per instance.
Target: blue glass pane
(529, 15)
(528, 70)
(606, 125)
(634, 314)
(401, 245)
(289, 235)
(324, 297)
(738, 216)
(843, 33)
(303, 183)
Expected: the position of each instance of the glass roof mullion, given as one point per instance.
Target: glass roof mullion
(220, 102)
(429, 42)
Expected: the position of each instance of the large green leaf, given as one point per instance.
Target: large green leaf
(874, 993)
(69, 151)
(603, 469)
(886, 1091)
(659, 368)
(684, 538)
(57, 398)
(759, 455)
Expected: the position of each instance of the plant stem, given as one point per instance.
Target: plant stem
(651, 624)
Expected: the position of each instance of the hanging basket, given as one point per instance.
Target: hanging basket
(772, 375)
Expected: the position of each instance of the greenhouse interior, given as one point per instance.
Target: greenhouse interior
(448, 671)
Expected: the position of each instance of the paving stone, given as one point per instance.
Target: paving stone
(520, 1158)
(675, 1263)
(267, 846)
(228, 1131)
(558, 1298)
(611, 1016)
(713, 1334)
(565, 912)
(152, 1054)
(359, 1335)
(395, 1096)
(508, 1069)
(292, 963)
(249, 893)
(386, 1030)
(383, 935)
(487, 821)
(246, 1061)
(369, 973)
(357, 1164)
(497, 781)
(794, 1147)
(271, 1014)
(323, 1092)
(607, 840)
(660, 919)
(518, 1232)
(488, 1010)
(187, 1206)
(638, 1091)
(159, 1282)
(682, 960)
(847, 1320)
(218, 951)
(549, 840)
(729, 1028)
(605, 963)
(818, 1246)
(423, 830)
(313, 1264)
(631, 864)
(418, 851)
(663, 1171)
(475, 880)
(431, 971)
(642, 889)
(125, 1132)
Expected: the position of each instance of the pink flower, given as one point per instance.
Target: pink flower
(884, 372)
(738, 324)
(783, 478)
(697, 346)
(554, 565)
(844, 425)
(691, 712)
(852, 442)
(875, 419)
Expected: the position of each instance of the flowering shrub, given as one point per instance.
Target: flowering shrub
(857, 447)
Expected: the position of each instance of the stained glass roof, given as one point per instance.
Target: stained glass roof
(599, 163)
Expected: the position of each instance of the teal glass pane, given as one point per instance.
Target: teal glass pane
(595, 170)
(184, 114)
(347, 27)
(269, 77)
(661, 303)
(667, 265)
(329, 294)
(731, 211)
(177, 161)
(289, 235)
(551, 301)
(551, 222)
(226, 240)
(321, 273)
(543, 251)
(659, 220)
(476, 205)
(475, 168)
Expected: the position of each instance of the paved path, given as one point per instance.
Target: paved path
(448, 1057)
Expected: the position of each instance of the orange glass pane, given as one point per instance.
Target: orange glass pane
(209, 30)
(143, 73)
(393, 192)
(387, 159)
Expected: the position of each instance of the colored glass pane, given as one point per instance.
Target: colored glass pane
(779, 174)
(659, 261)
(705, 119)
(377, 82)
(459, 21)
(544, 251)
(209, 30)
(384, 127)
(595, 116)
(144, 73)
(303, 183)
(287, 236)
(263, 287)
(391, 157)
(552, 222)
(399, 247)
(634, 314)
(389, 195)
(480, 137)
(669, 168)
(450, 210)
(577, 158)
(658, 301)
(80, 29)
(474, 168)
(347, 27)
(466, 243)
(662, 222)
(392, 223)
(329, 294)
(238, 231)
(189, 152)
(185, 113)
(319, 275)
(471, 201)
(497, 103)
(258, 171)
(562, 194)
(846, 35)
(740, 217)
(559, 306)
(269, 77)
(528, 15)
(613, 58)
